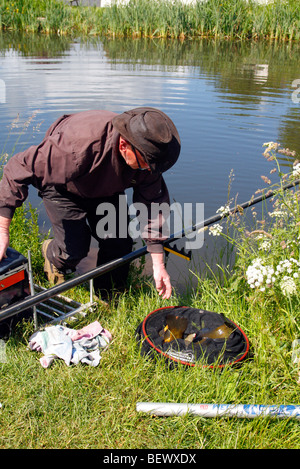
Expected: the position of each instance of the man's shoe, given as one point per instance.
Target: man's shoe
(54, 276)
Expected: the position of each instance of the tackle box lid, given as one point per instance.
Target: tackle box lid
(13, 260)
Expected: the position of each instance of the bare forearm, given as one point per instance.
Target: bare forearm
(4, 236)
(158, 258)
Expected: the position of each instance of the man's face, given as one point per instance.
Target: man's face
(132, 156)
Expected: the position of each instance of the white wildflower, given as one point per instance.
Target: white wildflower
(288, 265)
(277, 213)
(292, 259)
(215, 230)
(265, 246)
(259, 275)
(288, 286)
(296, 170)
(271, 145)
(224, 210)
(286, 282)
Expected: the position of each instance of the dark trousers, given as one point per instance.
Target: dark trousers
(74, 221)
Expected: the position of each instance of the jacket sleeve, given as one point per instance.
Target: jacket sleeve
(51, 162)
(153, 194)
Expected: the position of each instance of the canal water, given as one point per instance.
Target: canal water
(226, 98)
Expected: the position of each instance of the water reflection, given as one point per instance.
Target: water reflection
(249, 77)
(226, 97)
(34, 45)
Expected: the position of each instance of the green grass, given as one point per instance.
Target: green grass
(84, 407)
(279, 20)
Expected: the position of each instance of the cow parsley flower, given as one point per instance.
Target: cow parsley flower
(277, 213)
(265, 246)
(288, 286)
(260, 275)
(288, 266)
(216, 230)
(296, 170)
(224, 210)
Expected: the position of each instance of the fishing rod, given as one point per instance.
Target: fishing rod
(33, 300)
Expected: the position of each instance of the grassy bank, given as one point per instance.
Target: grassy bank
(241, 19)
(85, 407)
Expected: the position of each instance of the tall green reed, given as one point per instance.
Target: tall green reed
(243, 19)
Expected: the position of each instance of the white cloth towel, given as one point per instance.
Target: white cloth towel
(72, 346)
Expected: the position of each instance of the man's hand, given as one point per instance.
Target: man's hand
(161, 276)
(4, 236)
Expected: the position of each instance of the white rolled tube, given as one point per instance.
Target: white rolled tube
(165, 409)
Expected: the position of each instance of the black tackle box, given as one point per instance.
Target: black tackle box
(14, 286)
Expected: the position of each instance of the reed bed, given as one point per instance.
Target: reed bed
(242, 19)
